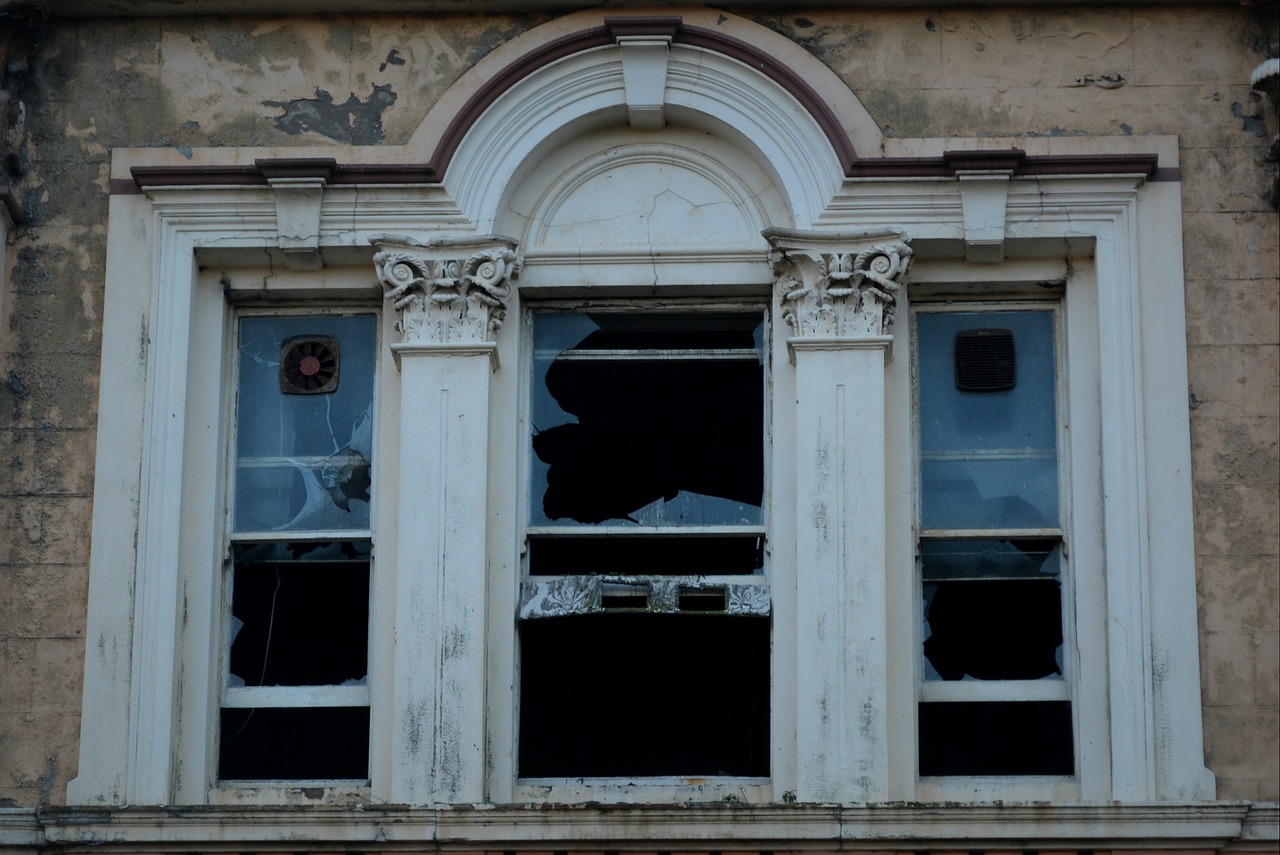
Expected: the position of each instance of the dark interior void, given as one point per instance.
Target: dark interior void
(315, 743)
(994, 630)
(304, 622)
(672, 331)
(644, 695)
(646, 556)
(996, 738)
(647, 428)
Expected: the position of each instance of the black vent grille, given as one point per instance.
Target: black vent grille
(309, 366)
(985, 360)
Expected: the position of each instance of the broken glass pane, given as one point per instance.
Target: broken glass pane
(654, 419)
(312, 743)
(996, 738)
(988, 459)
(641, 694)
(302, 461)
(993, 630)
(302, 611)
(719, 555)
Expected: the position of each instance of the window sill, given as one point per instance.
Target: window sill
(1092, 826)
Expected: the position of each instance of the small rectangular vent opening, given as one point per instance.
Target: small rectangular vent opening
(985, 360)
(703, 599)
(624, 595)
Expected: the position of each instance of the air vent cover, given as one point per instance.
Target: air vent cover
(309, 365)
(985, 360)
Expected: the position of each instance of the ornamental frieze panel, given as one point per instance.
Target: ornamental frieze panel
(839, 284)
(447, 290)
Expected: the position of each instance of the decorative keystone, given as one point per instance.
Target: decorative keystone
(448, 291)
(299, 192)
(840, 285)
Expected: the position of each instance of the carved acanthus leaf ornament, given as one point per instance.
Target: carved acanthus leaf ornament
(839, 284)
(448, 290)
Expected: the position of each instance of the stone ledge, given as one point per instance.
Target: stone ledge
(1217, 826)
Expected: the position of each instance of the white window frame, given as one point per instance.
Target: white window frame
(277, 696)
(662, 788)
(1068, 291)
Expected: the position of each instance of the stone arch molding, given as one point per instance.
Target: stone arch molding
(762, 107)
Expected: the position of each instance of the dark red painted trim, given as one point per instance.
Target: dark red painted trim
(297, 167)
(1090, 164)
(504, 80)
(258, 175)
(1018, 162)
(1010, 159)
(196, 176)
(12, 206)
(385, 173)
(784, 76)
(667, 26)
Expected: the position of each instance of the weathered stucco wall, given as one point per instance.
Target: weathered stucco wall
(196, 82)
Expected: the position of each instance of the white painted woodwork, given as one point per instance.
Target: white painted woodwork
(841, 692)
(644, 74)
(983, 195)
(437, 736)
(298, 202)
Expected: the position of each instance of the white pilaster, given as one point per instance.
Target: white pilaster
(838, 294)
(451, 295)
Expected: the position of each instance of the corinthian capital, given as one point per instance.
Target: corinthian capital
(447, 290)
(839, 284)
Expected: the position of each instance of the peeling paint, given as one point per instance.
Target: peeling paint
(1102, 81)
(353, 121)
(393, 58)
(1254, 123)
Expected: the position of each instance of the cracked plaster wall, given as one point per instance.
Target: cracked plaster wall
(361, 80)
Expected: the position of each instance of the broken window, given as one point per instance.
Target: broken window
(645, 628)
(992, 545)
(295, 699)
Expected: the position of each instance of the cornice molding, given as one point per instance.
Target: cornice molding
(170, 8)
(1238, 826)
(951, 164)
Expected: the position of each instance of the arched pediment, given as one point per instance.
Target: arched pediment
(742, 86)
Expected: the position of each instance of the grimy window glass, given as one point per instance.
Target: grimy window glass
(302, 455)
(646, 531)
(295, 702)
(991, 557)
(988, 458)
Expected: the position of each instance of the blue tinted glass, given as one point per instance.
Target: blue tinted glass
(302, 460)
(989, 459)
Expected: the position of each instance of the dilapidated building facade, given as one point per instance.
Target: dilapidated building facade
(532, 426)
